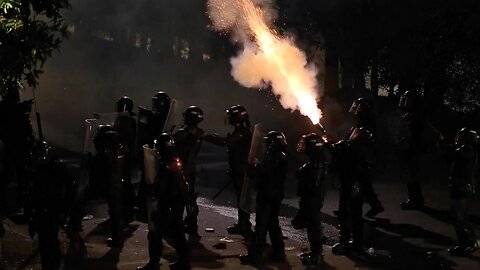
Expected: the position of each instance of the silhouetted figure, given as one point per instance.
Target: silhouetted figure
(352, 161)
(150, 125)
(126, 127)
(362, 108)
(168, 195)
(412, 147)
(270, 178)
(188, 141)
(463, 159)
(311, 189)
(238, 148)
(17, 135)
(50, 201)
(108, 171)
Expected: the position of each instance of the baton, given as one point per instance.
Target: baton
(221, 190)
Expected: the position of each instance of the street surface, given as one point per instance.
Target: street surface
(400, 239)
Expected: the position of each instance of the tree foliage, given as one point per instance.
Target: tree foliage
(30, 30)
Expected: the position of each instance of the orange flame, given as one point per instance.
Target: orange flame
(275, 50)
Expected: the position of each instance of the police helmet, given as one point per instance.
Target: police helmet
(311, 144)
(160, 101)
(193, 115)
(164, 145)
(237, 114)
(41, 150)
(275, 140)
(105, 138)
(360, 106)
(408, 100)
(466, 136)
(124, 104)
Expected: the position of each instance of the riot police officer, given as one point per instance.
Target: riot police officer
(270, 176)
(125, 126)
(108, 171)
(352, 161)
(151, 122)
(168, 193)
(362, 108)
(50, 194)
(188, 141)
(412, 147)
(311, 189)
(150, 125)
(463, 159)
(17, 135)
(238, 148)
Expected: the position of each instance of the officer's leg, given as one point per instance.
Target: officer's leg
(344, 219)
(191, 220)
(357, 223)
(275, 231)
(415, 197)
(48, 244)
(179, 242)
(315, 235)
(371, 198)
(255, 248)
(244, 225)
(116, 215)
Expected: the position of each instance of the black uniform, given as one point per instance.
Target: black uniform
(238, 148)
(412, 146)
(168, 194)
(311, 189)
(17, 135)
(352, 159)
(463, 159)
(270, 177)
(50, 195)
(108, 169)
(150, 125)
(188, 141)
(125, 126)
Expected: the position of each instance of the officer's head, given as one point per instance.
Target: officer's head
(106, 138)
(312, 144)
(360, 135)
(237, 115)
(41, 152)
(361, 106)
(164, 145)
(124, 104)
(409, 100)
(275, 141)
(193, 115)
(160, 102)
(466, 136)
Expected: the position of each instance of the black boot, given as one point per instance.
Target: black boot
(312, 259)
(180, 265)
(150, 266)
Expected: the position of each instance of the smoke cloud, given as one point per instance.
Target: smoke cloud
(265, 57)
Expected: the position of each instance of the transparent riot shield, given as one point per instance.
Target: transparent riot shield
(151, 163)
(255, 156)
(174, 117)
(91, 126)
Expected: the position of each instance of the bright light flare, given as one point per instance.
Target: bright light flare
(274, 49)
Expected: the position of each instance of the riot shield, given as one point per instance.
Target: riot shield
(91, 126)
(151, 163)
(151, 159)
(255, 156)
(174, 116)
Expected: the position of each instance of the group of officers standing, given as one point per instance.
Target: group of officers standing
(164, 196)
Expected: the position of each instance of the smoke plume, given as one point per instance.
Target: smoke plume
(266, 57)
